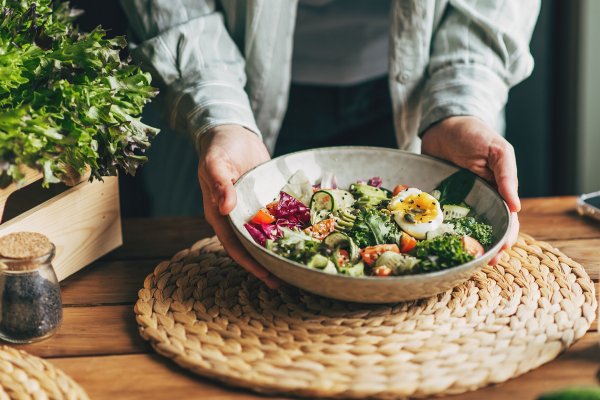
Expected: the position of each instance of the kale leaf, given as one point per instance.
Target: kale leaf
(441, 252)
(477, 230)
(68, 101)
(373, 227)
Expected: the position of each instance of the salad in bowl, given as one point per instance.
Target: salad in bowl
(368, 230)
(318, 220)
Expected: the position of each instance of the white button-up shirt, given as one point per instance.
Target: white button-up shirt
(229, 62)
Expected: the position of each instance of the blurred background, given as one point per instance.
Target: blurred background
(552, 118)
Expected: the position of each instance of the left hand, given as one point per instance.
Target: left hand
(472, 144)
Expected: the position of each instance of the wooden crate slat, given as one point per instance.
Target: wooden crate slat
(31, 176)
(83, 222)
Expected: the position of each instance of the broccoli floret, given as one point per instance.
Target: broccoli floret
(477, 230)
(441, 252)
(373, 227)
(368, 196)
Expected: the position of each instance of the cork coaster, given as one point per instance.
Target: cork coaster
(208, 315)
(24, 376)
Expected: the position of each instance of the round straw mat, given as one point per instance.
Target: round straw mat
(24, 376)
(210, 316)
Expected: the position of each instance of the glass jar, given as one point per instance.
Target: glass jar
(30, 301)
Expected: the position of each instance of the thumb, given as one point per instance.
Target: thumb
(504, 166)
(219, 180)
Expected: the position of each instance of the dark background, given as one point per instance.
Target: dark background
(538, 115)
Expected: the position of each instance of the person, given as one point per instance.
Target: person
(225, 70)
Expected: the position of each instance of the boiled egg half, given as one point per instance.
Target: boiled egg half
(416, 212)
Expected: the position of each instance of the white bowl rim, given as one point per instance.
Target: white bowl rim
(421, 276)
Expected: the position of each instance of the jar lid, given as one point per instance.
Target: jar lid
(24, 245)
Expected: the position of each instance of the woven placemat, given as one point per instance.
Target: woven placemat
(24, 376)
(208, 315)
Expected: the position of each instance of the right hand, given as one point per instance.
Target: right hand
(472, 144)
(227, 152)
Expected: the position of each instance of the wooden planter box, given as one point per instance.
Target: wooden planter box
(83, 221)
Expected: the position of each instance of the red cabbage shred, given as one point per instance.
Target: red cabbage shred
(375, 182)
(289, 212)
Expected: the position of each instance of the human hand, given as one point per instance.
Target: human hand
(470, 143)
(227, 152)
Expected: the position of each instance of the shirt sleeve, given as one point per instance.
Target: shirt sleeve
(194, 61)
(480, 50)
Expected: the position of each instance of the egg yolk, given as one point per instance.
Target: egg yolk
(422, 206)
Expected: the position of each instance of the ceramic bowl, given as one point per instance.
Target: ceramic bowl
(261, 185)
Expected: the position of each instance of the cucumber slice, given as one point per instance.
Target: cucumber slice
(343, 199)
(357, 269)
(318, 261)
(324, 202)
(330, 268)
(339, 240)
(321, 205)
(270, 244)
(336, 240)
(442, 229)
(436, 194)
(452, 211)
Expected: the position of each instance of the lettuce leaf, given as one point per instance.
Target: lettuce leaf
(67, 99)
(299, 186)
(296, 245)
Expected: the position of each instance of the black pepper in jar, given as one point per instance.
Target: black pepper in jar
(30, 301)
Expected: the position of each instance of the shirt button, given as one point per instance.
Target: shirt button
(403, 77)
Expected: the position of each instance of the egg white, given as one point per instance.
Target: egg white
(399, 206)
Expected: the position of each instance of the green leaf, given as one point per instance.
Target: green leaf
(478, 230)
(67, 99)
(574, 393)
(441, 252)
(455, 188)
(373, 227)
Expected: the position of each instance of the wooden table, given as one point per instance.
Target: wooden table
(99, 346)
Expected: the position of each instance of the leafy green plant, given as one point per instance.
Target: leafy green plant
(455, 188)
(68, 101)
